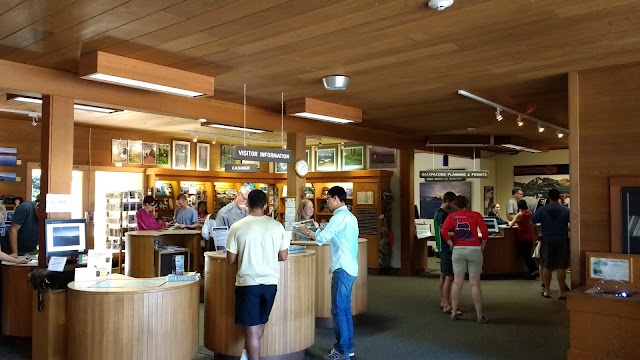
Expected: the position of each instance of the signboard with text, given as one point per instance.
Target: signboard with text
(453, 175)
(240, 168)
(59, 203)
(261, 154)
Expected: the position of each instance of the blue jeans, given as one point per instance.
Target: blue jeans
(341, 286)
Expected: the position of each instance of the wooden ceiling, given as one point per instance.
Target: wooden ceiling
(406, 62)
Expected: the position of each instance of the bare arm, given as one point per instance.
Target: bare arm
(9, 258)
(515, 219)
(232, 258)
(283, 255)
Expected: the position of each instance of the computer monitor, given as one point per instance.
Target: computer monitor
(492, 224)
(65, 237)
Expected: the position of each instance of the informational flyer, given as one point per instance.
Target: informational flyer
(220, 235)
(610, 269)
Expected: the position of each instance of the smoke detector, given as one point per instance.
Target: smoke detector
(439, 4)
(335, 82)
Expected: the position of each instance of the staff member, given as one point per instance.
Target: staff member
(23, 234)
(305, 212)
(512, 204)
(145, 220)
(4, 256)
(185, 216)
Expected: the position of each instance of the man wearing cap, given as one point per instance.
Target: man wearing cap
(145, 219)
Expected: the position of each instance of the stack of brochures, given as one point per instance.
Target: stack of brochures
(296, 249)
(188, 276)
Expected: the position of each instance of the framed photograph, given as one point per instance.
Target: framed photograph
(431, 195)
(281, 168)
(119, 151)
(202, 157)
(8, 156)
(162, 154)
(326, 159)
(8, 177)
(537, 180)
(381, 157)
(226, 155)
(353, 157)
(135, 151)
(488, 199)
(8, 217)
(181, 155)
(149, 153)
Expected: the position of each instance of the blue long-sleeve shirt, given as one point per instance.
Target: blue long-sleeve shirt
(342, 235)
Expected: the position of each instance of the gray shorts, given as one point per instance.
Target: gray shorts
(467, 260)
(446, 264)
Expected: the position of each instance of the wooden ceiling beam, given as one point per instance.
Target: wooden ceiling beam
(34, 79)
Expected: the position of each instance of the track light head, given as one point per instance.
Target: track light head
(560, 135)
(498, 115)
(34, 120)
(540, 128)
(213, 141)
(202, 120)
(195, 138)
(520, 121)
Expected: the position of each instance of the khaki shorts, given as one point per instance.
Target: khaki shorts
(467, 260)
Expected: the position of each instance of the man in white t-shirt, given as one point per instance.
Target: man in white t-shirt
(256, 243)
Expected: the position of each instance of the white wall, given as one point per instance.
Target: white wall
(504, 170)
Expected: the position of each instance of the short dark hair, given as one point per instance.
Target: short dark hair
(257, 199)
(515, 190)
(554, 194)
(448, 196)
(149, 200)
(182, 197)
(462, 202)
(339, 192)
(522, 205)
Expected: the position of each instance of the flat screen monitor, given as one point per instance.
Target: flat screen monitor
(65, 237)
(492, 224)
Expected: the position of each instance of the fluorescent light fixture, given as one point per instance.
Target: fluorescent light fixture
(456, 145)
(21, 112)
(322, 117)
(143, 85)
(237, 128)
(32, 100)
(520, 148)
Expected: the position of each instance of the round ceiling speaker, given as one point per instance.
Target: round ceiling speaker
(335, 82)
(439, 4)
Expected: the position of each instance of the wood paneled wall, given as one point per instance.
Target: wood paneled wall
(603, 115)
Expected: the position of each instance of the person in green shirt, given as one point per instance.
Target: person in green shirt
(445, 251)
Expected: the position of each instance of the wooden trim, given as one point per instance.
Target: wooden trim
(100, 62)
(407, 224)
(577, 259)
(615, 185)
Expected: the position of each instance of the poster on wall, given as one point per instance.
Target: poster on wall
(8, 156)
(488, 199)
(537, 180)
(202, 157)
(181, 155)
(281, 168)
(8, 177)
(149, 153)
(431, 195)
(326, 159)
(162, 157)
(353, 157)
(135, 151)
(226, 155)
(381, 157)
(119, 151)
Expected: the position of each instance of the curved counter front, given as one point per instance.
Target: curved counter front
(140, 246)
(132, 319)
(17, 295)
(359, 300)
(290, 329)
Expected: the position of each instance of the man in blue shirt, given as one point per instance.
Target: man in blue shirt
(554, 251)
(185, 216)
(342, 235)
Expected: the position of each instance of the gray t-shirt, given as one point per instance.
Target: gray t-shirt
(512, 207)
(229, 215)
(25, 215)
(188, 216)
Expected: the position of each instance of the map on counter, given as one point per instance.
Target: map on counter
(129, 283)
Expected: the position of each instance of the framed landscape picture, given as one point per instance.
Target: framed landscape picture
(353, 157)
(162, 154)
(135, 152)
(181, 155)
(8, 156)
(119, 151)
(326, 159)
(381, 157)
(281, 168)
(226, 155)
(149, 153)
(202, 157)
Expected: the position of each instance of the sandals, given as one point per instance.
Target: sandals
(545, 296)
(448, 309)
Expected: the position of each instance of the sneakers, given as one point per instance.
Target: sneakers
(244, 355)
(352, 353)
(483, 320)
(335, 355)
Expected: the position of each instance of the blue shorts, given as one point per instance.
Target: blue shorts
(254, 303)
(446, 264)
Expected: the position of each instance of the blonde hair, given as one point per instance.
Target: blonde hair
(2, 208)
(300, 213)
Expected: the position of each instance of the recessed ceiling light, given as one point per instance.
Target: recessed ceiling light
(472, 129)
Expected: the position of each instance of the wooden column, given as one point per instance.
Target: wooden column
(577, 272)
(297, 143)
(407, 224)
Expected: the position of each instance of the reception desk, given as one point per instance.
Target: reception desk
(17, 295)
(501, 255)
(133, 321)
(139, 249)
(323, 282)
(290, 329)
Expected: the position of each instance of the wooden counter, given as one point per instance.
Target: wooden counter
(290, 329)
(603, 327)
(139, 249)
(17, 295)
(359, 299)
(132, 323)
(501, 256)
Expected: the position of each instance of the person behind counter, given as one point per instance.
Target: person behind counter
(525, 239)
(236, 210)
(305, 212)
(202, 210)
(467, 253)
(512, 204)
(256, 243)
(342, 235)
(3, 255)
(210, 221)
(185, 216)
(495, 213)
(145, 219)
(23, 234)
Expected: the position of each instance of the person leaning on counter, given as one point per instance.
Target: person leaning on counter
(23, 234)
(3, 255)
(185, 217)
(145, 219)
(235, 210)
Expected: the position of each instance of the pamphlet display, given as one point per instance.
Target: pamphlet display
(220, 234)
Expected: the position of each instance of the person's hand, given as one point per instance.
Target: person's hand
(23, 261)
(180, 226)
(304, 229)
(14, 255)
(450, 243)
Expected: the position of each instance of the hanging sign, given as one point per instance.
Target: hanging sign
(240, 168)
(453, 175)
(261, 154)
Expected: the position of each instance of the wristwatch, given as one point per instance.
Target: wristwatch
(308, 232)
